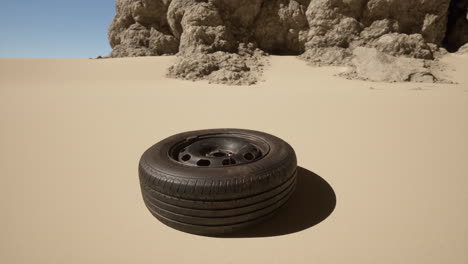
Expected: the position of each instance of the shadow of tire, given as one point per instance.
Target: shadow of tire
(313, 201)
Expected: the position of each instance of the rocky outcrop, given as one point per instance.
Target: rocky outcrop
(325, 32)
(204, 31)
(403, 45)
(242, 68)
(373, 65)
(463, 49)
(140, 28)
(281, 26)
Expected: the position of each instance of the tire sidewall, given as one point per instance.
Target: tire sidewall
(245, 179)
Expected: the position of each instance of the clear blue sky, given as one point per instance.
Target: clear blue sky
(54, 28)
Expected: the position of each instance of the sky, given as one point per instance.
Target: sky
(54, 28)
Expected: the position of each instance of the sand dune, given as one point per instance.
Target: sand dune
(72, 132)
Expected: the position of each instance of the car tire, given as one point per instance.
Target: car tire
(217, 181)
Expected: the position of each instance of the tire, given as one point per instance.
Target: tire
(213, 182)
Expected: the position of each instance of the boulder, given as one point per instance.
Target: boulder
(220, 67)
(403, 45)
(140, 28)
(371, 64)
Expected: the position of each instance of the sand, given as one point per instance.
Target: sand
(72, 132)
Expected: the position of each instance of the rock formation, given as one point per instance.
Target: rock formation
(373, 65)
(140, 28)
(242, 68)
(323, 32)
(463, 49)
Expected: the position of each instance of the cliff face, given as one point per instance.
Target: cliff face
(321, 31)
(157, 27)
(140, 28)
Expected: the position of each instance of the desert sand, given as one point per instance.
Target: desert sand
(72, 132)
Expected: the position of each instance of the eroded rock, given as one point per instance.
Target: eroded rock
(371, 64)
(204, 31)
(245, 68)
(324, 56)
(403, 45)
(463, 49)
(140, 28)
(325, 32)
(281, 26)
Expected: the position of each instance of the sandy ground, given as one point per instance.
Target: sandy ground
(72, 132)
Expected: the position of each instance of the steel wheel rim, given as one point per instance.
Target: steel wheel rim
(219, 150)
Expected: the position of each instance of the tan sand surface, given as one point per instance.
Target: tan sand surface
(72, 132)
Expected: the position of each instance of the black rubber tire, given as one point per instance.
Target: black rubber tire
(221, 212)
(227, 220)
(210, 230)
(216, 200)
(216, 205)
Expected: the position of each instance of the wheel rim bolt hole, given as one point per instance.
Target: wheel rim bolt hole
(229, 161)
(203, 163)
(186, 157)
(219, 154)
(248, 156)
